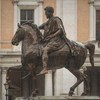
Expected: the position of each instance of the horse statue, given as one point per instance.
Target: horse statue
(31, 57)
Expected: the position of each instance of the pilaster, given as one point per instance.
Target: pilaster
(58, 82)
(70, 18)
(4, 71)
(48, 84)
(59, 8)
(38, 13)
(15, 2)
(92, 20)
(0, 22)
(0, 84)
(16, 21)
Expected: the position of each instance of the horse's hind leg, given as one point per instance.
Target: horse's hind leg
(33, 74)
(80, 78)
(35, 92)
(86, 87)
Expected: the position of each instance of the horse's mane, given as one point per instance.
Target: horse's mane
(34, 26)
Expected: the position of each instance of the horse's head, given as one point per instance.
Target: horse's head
(28, 30)
(19, 35)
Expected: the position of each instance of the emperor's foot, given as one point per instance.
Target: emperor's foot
(44, 71)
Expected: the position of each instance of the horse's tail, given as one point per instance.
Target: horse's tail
(91, 48)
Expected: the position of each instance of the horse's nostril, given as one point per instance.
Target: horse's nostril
(12, 42)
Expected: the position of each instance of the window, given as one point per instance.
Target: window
(26, 15)
(98, 25)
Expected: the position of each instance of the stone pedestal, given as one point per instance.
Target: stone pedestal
(61, 98)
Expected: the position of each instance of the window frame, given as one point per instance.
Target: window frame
(26, 19)
(96, 24)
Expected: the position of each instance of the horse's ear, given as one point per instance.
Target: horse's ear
(19, 25)
(34, 26)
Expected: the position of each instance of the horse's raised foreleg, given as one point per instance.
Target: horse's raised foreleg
(80, 78)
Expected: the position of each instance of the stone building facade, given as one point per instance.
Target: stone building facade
(81, 21)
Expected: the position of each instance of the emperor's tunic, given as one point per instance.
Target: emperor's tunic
(50, 28)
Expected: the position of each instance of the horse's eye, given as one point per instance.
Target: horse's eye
(18, 30)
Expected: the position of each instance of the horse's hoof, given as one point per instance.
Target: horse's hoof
(34, 93)
(43, 72)
(83, 94)
(70, 93)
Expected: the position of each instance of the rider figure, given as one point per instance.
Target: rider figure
(54, 37)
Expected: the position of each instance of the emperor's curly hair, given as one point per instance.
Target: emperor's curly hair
(49, 9)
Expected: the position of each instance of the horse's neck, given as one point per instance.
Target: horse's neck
(30, 39)
(27, 43)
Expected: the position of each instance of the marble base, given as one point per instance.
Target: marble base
(61, 98)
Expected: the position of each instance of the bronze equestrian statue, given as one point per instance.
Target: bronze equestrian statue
(52, 50)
